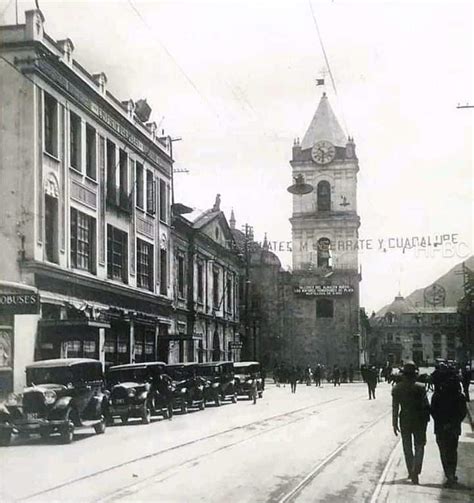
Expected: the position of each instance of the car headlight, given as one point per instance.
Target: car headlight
(49, 397)
(131, 392)
(13, 399)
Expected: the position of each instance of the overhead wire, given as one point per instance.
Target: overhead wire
(170, 55)
(326, 60)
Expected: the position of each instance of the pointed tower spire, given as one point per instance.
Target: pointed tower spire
(265, 242)
(232, 219)
(324, 126)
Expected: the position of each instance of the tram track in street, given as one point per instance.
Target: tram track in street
(293, 416)
(291, 496)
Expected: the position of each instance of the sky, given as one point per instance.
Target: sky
(235, 80)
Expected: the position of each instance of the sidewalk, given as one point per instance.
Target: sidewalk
(394, 486)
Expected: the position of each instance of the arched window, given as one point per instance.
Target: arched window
(324, 252)
(324, 196)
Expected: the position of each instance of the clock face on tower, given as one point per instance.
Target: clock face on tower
(323, 152)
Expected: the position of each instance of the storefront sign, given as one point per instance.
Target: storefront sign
(323, 290)
(19, 303)
(235, 345)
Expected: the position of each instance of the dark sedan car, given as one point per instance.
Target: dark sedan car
(221, 378)
(245, 374)
(62, 395)
(136, 390)
(189, 387)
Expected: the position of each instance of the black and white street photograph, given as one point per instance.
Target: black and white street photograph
(236, 251)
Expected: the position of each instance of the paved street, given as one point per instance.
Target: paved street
(329, 444)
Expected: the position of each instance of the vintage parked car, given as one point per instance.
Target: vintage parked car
(135, 390)
(221, 378)
(189, 388)
(245, 373)
(61, 395)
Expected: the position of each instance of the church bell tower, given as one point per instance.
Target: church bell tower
(325, 223)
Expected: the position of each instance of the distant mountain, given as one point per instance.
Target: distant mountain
(452, 282)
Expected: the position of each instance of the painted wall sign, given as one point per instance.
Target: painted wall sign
(323, 290)
(19, 303)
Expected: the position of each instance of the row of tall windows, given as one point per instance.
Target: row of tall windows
(118, 192)
(83, 253)
(181, 284)
(145, 189)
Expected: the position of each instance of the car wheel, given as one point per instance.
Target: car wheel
(166, 414)
(100, 427)
(44, 434)
(67, 433)
(5, 438)
(146, 414)
(202, 405)
(124, 419)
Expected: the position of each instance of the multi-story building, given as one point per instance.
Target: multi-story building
(402, 332)
(261, 305)
(206, 288)
(85, 212)
(322, 293)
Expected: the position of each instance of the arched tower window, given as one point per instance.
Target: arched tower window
(324, 252)
(324, 196)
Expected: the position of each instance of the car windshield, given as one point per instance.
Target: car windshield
(56, 375)
(127, 375)
(247, 369)
(208, 371)
(177, 373)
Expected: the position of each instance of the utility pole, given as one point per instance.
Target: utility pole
(248, 233)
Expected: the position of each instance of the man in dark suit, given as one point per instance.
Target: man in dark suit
(448, 408)
(410, 416)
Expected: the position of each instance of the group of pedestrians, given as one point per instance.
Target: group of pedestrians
(286, 374)
(411, 411)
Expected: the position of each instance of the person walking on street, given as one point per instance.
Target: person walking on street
(336, 375)
(253, 388)
(293, 379)
(448, 408)
(351, 373)
(371, 380)
(317, 375)
(410, 417)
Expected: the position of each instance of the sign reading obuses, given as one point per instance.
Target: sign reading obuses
(323, 290)
(19, 303)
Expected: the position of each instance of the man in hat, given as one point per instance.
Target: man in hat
(410, 416)
(448, 408)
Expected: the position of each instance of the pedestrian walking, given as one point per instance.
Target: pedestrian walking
(351, 373)
(293, 379)
(336, 375)
(410, 416)
(317, 375)
(253, 387)
(371, 380)
(448, 408)
(308, 375)
(344, 374)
